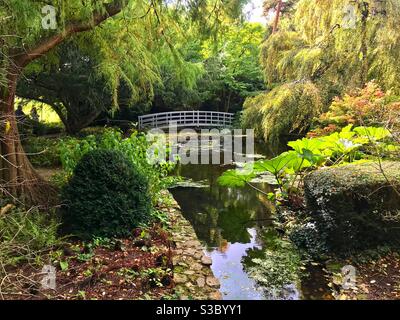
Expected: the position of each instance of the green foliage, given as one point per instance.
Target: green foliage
(314, 45)
(107, 196)
(347, 146)
(25, 235)
(43, 152)
(282, 112)
(233, 178)
(216, 74)
(69, 86)
(134, 148)
(369, 106)
(138, 49)
(278, 267)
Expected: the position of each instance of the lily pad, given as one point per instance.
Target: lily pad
(189, 183)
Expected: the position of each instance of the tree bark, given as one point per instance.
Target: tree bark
(18, 179)
(364, 44)
(277, 16)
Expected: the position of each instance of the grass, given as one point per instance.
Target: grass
(46, 113)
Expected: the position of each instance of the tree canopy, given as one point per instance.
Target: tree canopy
(334, 45)
(122, 51)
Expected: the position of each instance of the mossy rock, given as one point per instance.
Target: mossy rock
(355, 206)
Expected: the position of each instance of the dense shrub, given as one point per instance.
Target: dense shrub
(133, 147)
(355, 206)
(106, 196)
(369, 106)
(43, 152)
(307, 237)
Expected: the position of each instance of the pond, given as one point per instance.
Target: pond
(230, 222)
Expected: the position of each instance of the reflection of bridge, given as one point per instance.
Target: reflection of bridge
(186, 119)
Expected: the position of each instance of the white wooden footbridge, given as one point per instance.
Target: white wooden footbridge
(187, 119)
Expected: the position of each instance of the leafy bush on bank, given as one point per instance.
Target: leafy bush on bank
(106, 196)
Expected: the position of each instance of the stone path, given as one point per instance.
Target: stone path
(193, 276)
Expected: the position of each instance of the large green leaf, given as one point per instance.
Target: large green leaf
(234, 178)
(313, 145)
(275, 165)
(373, 133)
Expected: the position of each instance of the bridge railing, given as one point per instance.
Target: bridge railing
(186, 119)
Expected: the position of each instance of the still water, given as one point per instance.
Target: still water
(230, 223)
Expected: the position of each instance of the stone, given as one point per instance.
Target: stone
(182, 264)
(193, 243)
(180, 278)
(198, 255)
(189, 272)
(206, 260)
(352, 206)
(201, 282)
(190, 252)
(192, 273)
(196, 266)
(175, 260)
(212, 282)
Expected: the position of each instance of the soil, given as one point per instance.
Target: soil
(376, 279)
(135, 268)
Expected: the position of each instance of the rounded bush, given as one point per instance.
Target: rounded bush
(106, 196)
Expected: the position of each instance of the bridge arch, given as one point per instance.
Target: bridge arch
(186, 119)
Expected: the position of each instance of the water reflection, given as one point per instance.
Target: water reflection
(231, 222)
(227, 221)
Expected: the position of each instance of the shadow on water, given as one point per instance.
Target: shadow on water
(229, 222)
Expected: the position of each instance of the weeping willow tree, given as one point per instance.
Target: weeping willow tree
(335, 46)
(130, 32)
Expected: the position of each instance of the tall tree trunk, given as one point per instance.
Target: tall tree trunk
(18, 179)
(364, 44)
(277, 16)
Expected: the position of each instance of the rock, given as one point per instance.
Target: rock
(180, 278)
(193, 243)
(198, 255)
(354, 206)
(196, 266)
(206, 260)
(190, 252)
(212, 282)
(176, 260)
(201, 282)
(189, 272)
